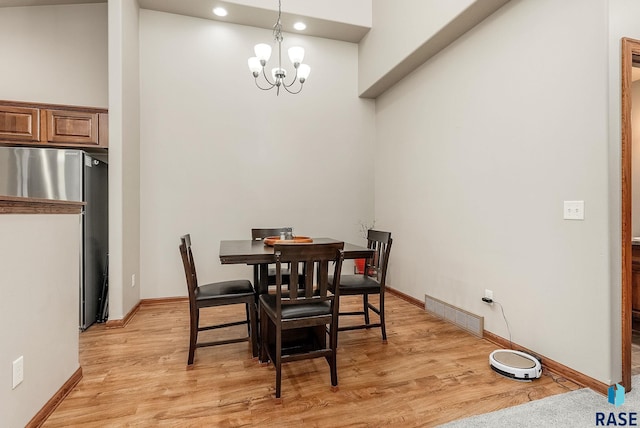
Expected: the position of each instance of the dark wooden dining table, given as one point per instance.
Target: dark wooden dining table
(255, 252)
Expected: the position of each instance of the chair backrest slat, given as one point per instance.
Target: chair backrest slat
(294, 275)
(316, 260)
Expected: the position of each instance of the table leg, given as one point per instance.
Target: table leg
(261, 281)
(263, 278)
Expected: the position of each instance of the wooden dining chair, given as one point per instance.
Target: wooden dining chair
(258, 234)
(216, 294)
(294, 322)
(370, 282)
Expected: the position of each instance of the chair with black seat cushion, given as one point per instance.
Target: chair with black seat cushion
(295, 322)
(216, 294)
(370, 282)
(258, 234)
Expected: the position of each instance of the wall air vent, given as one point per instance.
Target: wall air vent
(472, 323)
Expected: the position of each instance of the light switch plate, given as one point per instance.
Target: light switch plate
(574, 210)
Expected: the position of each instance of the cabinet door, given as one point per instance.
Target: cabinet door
(72, 127)
(19, 123)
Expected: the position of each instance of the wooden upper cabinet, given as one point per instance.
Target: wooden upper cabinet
(73, 127)
(19, 123)
(53, 125)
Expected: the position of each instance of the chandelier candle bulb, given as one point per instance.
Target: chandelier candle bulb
(254, 66)
(278, 74)
(296, 55)
(303, 72)
(263, 52)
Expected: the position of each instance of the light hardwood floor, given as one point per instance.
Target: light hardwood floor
(430, 372)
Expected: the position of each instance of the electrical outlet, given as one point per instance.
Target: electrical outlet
(18, 372)
(488, 294)
(133, 280)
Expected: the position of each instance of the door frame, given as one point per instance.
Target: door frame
(630, 48)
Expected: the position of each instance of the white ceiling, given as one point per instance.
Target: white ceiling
(243, 14)
(260, 17)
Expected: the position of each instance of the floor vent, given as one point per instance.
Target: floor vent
(472, 323)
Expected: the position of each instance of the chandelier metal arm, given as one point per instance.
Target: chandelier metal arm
(260, 87)
(295, 78)
(293, 92)
(264, 74)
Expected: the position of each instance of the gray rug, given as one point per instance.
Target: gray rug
(572, 409)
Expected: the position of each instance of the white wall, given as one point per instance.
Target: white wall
(220, 156)
(406, 34)
(476, 152)
(124, 157)
(54, 54)
(39, 261)
(131, 154)
(398, 31)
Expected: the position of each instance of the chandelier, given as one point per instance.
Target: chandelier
(278, 74)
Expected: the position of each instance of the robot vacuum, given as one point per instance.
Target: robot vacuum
(515, 364)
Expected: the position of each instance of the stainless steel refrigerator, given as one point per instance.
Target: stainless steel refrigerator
(68, 175)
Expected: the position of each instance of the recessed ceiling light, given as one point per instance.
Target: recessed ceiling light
(300, 26)
(220, 11)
